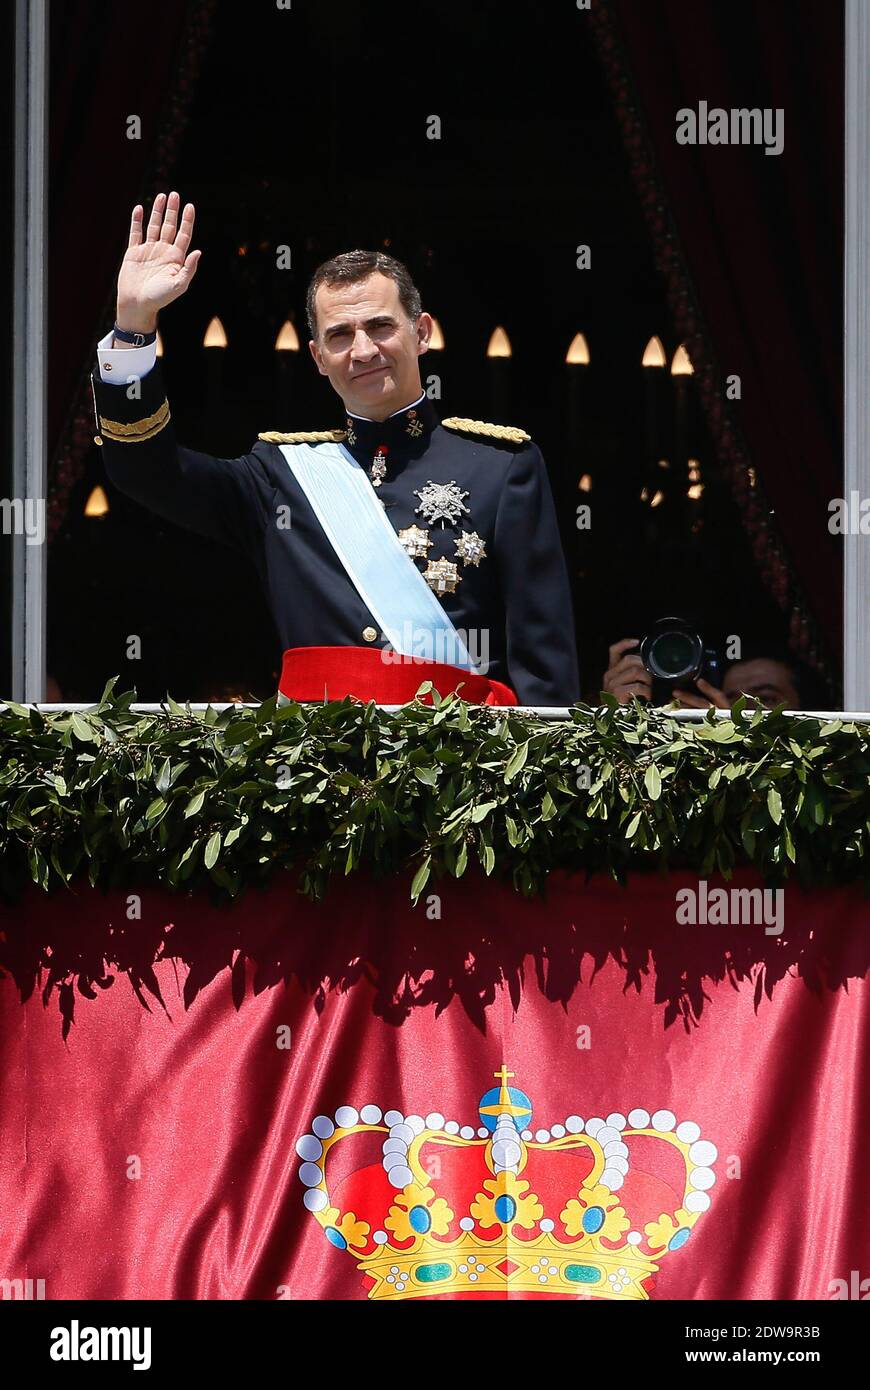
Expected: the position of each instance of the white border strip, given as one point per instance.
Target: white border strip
(29, 328)
(856, 349)
(691, 716)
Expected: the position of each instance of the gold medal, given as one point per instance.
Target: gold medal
(415, 542)
(470, 549)
(442, 576)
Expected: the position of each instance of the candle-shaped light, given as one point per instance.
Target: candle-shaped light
(214, 345)
(653, 363)
(578, 351)
(215, 334)
(159, 344)
(577, 360)
(287, 339)
(436, 342)
(286, 358)
(681, 370)
(97, 503)
(499, 353)
(499, 344)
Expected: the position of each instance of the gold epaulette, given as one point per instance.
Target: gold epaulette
(509, 433)
(304, 437)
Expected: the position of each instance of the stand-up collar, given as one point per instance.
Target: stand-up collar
(406, 431)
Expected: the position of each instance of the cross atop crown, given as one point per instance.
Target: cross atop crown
(505, 1105)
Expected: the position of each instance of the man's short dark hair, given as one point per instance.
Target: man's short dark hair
(352, 266)
(814, 691)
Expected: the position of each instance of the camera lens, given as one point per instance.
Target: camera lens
(674, 655)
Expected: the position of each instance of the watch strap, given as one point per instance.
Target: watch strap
(136, 339)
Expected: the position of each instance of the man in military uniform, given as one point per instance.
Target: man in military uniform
(392, 550)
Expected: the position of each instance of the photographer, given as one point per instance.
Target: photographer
(766, 670)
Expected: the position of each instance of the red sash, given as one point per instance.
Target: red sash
(312, 673)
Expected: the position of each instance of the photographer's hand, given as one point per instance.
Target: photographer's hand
(626, 675)
(690, 699)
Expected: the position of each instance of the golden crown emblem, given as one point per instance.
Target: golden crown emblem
(501, 1209)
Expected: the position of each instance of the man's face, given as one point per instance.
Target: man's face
(368, 347)
(769, 681)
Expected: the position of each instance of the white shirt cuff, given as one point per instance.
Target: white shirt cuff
(117, 365)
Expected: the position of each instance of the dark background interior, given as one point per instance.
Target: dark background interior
(308, 128)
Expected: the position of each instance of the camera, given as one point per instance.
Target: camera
(676, 655)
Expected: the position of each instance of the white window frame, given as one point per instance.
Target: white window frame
(856, 351)
(29, 339)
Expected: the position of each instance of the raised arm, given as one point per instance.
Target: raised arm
(221, 498)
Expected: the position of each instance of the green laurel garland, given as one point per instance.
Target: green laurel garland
(219, 799)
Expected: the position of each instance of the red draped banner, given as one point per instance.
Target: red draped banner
(480, 1097)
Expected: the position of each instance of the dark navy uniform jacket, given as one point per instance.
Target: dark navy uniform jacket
(519, 592)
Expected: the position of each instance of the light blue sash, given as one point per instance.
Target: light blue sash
(383, 574)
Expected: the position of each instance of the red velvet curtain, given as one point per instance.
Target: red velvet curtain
(311, 1107)
(761, 236)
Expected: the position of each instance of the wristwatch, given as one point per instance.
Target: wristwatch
(137, 339)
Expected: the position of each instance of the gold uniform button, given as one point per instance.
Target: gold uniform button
(370, 634)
